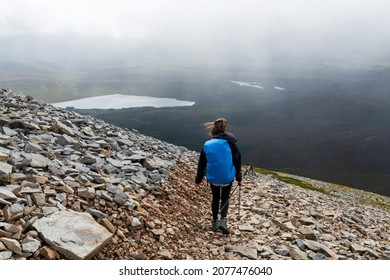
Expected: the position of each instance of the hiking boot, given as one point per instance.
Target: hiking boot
(215, 225)
(223, 226)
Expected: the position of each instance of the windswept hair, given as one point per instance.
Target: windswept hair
(216, 127)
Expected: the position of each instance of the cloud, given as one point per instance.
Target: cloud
(140, 18)
(115, 18)
(202, 25)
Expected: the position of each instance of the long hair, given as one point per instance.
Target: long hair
(217, 127)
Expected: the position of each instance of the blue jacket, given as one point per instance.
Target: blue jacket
(220, 160)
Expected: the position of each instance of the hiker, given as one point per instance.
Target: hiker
(220, 161)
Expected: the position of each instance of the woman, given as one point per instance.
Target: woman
(220, 161)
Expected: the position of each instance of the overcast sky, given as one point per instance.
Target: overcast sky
(202, 23)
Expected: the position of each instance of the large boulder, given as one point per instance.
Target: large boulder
(74, 235)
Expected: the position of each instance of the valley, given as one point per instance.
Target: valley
(330, 122)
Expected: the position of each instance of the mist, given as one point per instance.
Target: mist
(331, 58)
(209, 32)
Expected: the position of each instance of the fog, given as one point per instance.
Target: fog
(311, 76)
(218, 31)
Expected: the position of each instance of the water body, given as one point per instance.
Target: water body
(120, 101)
(254, 85)
(249, 84)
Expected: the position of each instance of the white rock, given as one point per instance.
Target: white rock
(74, 235)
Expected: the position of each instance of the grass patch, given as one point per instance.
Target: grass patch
(376, 203)
(300, 183)
(366, 197)
(262, 171)
(360, 196)
(290, 180)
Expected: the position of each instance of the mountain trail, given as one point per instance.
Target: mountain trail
(277, 221)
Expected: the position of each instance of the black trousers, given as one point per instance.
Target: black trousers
(220, 200)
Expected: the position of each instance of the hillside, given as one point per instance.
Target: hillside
(65, 176)
(330, 123)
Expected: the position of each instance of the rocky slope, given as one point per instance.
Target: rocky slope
(76, 187)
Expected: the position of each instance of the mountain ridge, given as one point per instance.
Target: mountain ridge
(141, 190)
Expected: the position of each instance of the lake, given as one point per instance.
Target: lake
(120, 101)
(254, 85)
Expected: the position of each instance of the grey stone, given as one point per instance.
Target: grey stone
(5, 202)
(84, 193)
(312, 245)
(5, 171)
(158, 231)
(115, 163)
(126, 142)
(4, 156)
(246, 227)
(28, 224)
(72, 234)
(88, 159)
(65, 140)
(152, 164)
(16, 208)
(8, 131)
(288, 225)
(62, 128)
(356, 248)
(14, 188)
(5, 255)
(5, 140)
(30, 245)
(37, 160)
(106, 196)
(120, 197)
(138, 156)
(81, 168)
(282, 251)
(32, 148)
(308, 233)
(7, 195)
(130, 169)
(374, 254)
(319, 256)
(96, 213)
(250, 253)
(165, 254)
(13, 212)
(18, 177)
(111, 189)
(139, 179)
(306, 221)
(60, 197)
(155, 177)
(66, 189)
(329, 252)
(49, 210)
(135, 222)
(296, 253)
(88, 131)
